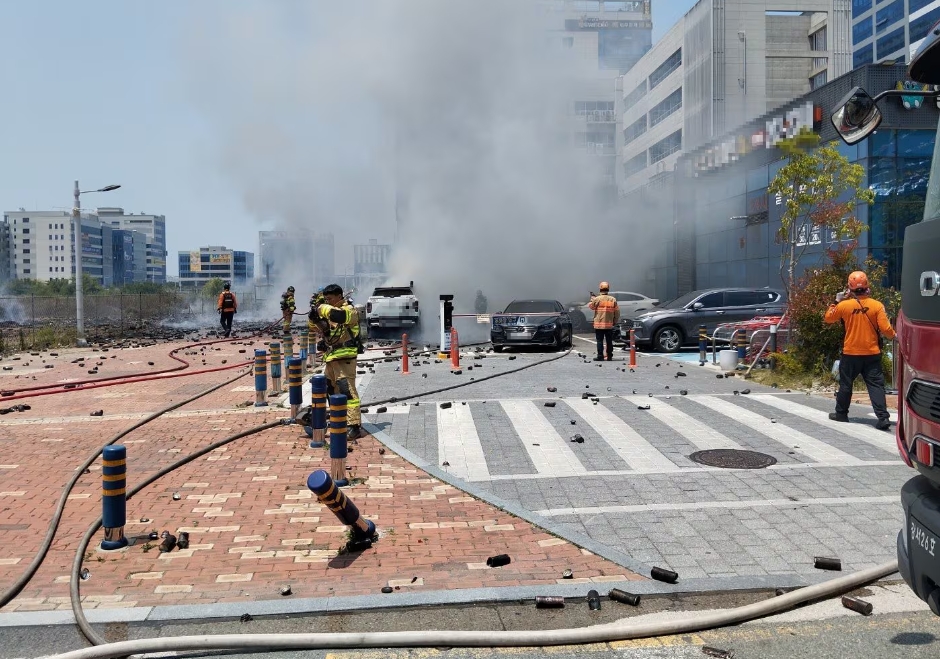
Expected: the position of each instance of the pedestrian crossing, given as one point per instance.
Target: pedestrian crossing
(482, 441)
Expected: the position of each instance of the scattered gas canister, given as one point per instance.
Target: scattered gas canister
(823, 563)
(549, 602)
(857, 605)
(662, 574)
(624, 597)
(593, 600)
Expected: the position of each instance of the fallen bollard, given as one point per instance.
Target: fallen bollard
(261, 378)
(113, 496)
(549, 602)
(857, 605)
(662, 574)
(317, 426)
(329, 494)
(295, 383)
(275, 367)
(338, 449)
(624, 597)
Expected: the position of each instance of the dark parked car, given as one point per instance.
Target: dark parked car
(676, 323)
(532, 323)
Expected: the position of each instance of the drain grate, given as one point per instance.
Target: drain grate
(733, 459)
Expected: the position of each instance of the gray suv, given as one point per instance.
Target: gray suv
(675, 324)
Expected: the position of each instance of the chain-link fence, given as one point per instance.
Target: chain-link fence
(40, 321)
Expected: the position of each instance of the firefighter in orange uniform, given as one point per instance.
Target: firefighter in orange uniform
(228, 307)
(606, 315)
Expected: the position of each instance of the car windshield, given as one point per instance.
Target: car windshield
(391, 292)
(531, 306)
(680, 302)
(932, 203)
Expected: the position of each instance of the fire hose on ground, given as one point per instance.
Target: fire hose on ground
(620, 630)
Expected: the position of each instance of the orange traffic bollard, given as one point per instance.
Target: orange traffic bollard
(632, 349)
(454, 350)
(404, 354)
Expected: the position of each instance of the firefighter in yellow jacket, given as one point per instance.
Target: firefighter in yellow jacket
(287, 308)
(337, 322)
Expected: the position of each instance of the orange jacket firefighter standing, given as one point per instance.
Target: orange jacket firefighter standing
(606, 315)
(865, 323)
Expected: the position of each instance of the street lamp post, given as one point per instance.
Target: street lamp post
(79, 297)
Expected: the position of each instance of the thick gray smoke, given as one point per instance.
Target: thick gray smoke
(459, 112)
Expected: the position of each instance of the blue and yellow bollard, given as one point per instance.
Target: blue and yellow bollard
(317, 429)
(113, 497)
(302, 346)
(295, 383)
(261, 378)
(742, 345)
(338, 449)
(275, 367)
(702, 344)
(329, 494)
(288, 348)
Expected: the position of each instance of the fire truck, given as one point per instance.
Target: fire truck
(917, 356)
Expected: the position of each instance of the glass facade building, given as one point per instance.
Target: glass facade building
(890, 29)
(726, 222)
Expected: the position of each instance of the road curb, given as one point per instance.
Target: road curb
(400, 599)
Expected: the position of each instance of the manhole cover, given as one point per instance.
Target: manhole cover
(733, 459)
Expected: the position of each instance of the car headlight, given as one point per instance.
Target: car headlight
(549, 326)
(637, 324)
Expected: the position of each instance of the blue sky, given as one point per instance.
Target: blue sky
(95, 90)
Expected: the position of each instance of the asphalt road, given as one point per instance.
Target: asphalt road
(900, 628)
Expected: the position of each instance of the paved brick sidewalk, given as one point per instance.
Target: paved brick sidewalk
(253, 524)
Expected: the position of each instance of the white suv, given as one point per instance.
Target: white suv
(631, 304)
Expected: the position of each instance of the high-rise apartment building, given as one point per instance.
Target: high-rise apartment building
(152, 226)
(884, 30)
(724, 63)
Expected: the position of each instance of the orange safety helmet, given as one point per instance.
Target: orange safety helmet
(604, 286)
(858, 280)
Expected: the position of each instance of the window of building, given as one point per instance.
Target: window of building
(915, 5)
(25, 220)
(818, 80)
(25, 241)
(863, 56)
(890, 43)
(921, 26)
(666, 107)
(26, 271)
(50, 268)
(665, 147)
(634, 130)
(25, 231)
(817, 40)
(567, 42)
(26, 251)
(634, 165)
(861, 30)
(25, 260)
(859, 7)
(672, 63)
(634, 97)
(888, 16)
(587, 5)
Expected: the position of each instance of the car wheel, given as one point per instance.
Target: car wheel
(498, 348)
(668, 339)
(570, 342)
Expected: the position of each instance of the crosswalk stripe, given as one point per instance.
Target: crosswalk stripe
(692, 430)
(638, 453)
(808, 446)
(459, 444)
(868, 434)
(552, 456)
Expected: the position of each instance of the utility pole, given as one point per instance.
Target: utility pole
(79, 297)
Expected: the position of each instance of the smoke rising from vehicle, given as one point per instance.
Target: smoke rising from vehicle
(454, 117)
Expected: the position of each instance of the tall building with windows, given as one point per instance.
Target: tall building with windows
(724, 63)
(890, 30)
(153, 227)
(215, 262)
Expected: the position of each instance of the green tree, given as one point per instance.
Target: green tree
(811, 185)
(212, 288)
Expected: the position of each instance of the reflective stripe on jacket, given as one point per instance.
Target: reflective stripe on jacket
(606, 311)
(860, 316)
(342, 342)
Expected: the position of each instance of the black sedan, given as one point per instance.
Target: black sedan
(532, 323)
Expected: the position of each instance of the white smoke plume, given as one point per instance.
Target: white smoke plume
(326, 114)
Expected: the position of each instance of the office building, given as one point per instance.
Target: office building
(153, 227)
(6, 256)
(890, 30)
(724, 63)
(215, 262)
(723, 224)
